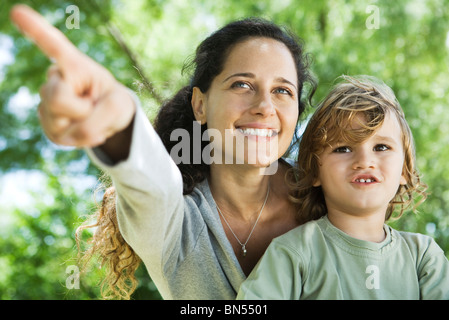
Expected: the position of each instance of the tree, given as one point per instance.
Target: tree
(145, 44)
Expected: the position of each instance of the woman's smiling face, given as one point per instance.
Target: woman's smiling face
(254, 100)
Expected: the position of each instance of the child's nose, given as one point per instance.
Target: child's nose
(363, 159)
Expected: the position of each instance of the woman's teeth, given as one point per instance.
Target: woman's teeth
(257, 132)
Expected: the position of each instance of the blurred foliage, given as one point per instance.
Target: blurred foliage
(409, 50)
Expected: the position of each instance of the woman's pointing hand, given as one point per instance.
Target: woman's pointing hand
(82, 104)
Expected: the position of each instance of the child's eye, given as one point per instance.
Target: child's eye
(342, 150)
(381, 147)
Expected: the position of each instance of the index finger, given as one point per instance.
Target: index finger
(52, 42)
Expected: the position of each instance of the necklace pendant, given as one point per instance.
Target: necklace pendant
(254, 226)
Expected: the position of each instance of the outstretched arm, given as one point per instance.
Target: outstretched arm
(82, 104)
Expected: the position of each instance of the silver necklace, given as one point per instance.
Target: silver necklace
(243, 245)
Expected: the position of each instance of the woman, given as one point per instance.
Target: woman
(199, 227)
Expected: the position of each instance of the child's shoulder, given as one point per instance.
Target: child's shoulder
(411, 238)
(302, 238)
(416, 242)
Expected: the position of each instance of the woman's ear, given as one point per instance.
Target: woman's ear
(198, 105)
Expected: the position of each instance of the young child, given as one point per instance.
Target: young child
(356, 165)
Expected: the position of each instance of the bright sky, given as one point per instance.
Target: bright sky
(6, 56)
(18, 188)
(13, 186)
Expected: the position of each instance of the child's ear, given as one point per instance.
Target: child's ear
(403, 181)
(198, 105)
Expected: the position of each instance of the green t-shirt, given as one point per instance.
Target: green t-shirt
(319, 261)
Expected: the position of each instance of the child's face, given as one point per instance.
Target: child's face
(363, 178)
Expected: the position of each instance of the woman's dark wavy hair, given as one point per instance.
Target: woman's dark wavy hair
(207, 64)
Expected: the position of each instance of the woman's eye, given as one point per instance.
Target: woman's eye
(381, 147)
(342, 150)
(283, 91)
(240, 84)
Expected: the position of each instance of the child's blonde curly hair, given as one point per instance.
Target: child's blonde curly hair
(331, 121)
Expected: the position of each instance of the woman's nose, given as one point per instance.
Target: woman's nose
(264, 104)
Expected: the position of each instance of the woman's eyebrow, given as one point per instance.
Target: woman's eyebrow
(241, 74)
(283, 80)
